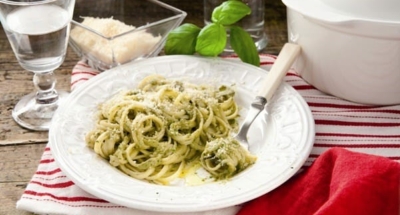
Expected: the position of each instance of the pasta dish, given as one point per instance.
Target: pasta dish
(164, 127)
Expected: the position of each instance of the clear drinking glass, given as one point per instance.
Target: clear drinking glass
(253, 23)
(38, 32)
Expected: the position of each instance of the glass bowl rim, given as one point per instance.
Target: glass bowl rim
(180, 15)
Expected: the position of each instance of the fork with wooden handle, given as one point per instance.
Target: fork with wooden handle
(273, 80)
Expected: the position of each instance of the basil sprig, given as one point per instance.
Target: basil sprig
(182, 40)
(211, 40)
(230, 12)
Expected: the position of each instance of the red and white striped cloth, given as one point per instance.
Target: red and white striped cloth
(338, 123)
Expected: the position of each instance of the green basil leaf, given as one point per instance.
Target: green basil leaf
(182, 40)
(211, 40)
(244, 46)
(229, 12)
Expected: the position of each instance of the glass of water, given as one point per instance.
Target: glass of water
(253, 23)
(38, 32)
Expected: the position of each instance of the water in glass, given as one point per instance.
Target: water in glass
(38, 36)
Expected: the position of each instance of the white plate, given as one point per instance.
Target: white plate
(282, 139)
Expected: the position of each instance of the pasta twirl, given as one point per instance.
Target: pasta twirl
(224, 157)
(161, 128)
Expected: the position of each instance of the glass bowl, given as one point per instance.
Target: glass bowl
(128, 30)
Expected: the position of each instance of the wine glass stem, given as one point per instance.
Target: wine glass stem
(44, 83)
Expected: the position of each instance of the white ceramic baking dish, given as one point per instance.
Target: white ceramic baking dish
(348, 50)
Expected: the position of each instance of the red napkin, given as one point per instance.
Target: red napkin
(339, 182)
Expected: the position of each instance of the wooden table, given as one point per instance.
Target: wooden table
(21, 149)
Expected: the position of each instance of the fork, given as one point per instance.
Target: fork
(273, 80)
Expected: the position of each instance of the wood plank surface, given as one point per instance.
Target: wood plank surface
(9, 195)
(21, 149)
(18, 164)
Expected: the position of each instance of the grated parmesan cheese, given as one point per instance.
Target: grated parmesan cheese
(113, 50)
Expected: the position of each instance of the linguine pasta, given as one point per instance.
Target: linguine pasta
(162, 128)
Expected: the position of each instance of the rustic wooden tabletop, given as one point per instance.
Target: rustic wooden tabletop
(21, 149)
